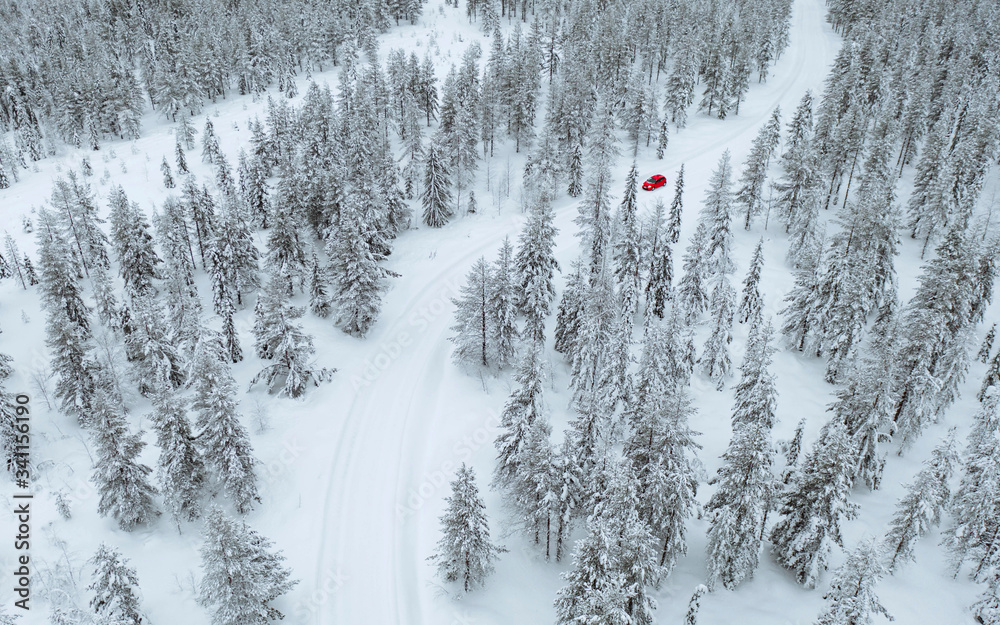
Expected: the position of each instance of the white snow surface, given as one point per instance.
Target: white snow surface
(354, 476)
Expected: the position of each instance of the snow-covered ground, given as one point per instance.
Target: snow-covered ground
(354, 475)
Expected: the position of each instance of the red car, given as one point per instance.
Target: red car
(654, 182)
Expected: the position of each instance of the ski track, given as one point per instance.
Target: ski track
(381, 440)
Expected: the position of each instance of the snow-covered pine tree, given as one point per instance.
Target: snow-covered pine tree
(501, 304)
(535, 266)
(865, 405)
(975, 535)
(933, 354)
(182, 166)
(920, 509)
(618, 553)
(661, 263)
(983, 355)
(694, 604)
(738, 509)
(465, 553)
(67, 324)
(473, 323)
(662, 138)
(241, 573)
(568, 317)
(992, 377)
(168, 176)
(436, 197)
(286, 255)
(115, 586)
(122, 481)
(662, 451)
(691, 289)
(812, 511)
(222, 439)
(626, 253)
(676, 208)
(792, 453)
(535, 492)
(9, 455)
(358, 279)
(749, 197)
(715, 359)
(281, 339)
(750, 301)
(524, 405)
(16, 266)
(180, 468)
(851, 599)
(319, 301)
(151, 349)
(132, 243)
(755, 396)
(209, 143)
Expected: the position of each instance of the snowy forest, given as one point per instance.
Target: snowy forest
(604, 312)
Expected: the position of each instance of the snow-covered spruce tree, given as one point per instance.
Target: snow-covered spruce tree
(662, 451)
(436, 197)
(568, 316)
(358, 279)
(501, 304)
(738, 509)
(319, 300)
(676, 208)
(716, 213)
(67, 324)
(864, 405)
(465, 553)
(812, 511)
(209, 143)
(241, 573)
(594, 217)
(851, 599)
(692, 292)
(114, 588)
(286, 255)
(279, 338)
(792, 453)
(749, 197)
(614, 563)
(750, 301)
(627, 250)
(148, 345)
(222, 440)
(16, 266)
(473, 323)
(122, 481)
(983, 355)
(975, 536)
(535, 266)
(8, 419)
(535, 493)
(755, 396)
(132, 243)
(920, 509)
(694, 604)
(180, 467)
(168, 176)
(660, 267)
(715, 359)
(522, 408)
(200, 210)
(934, 352)
(992, 377)
(235, 240)
(76, 209)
